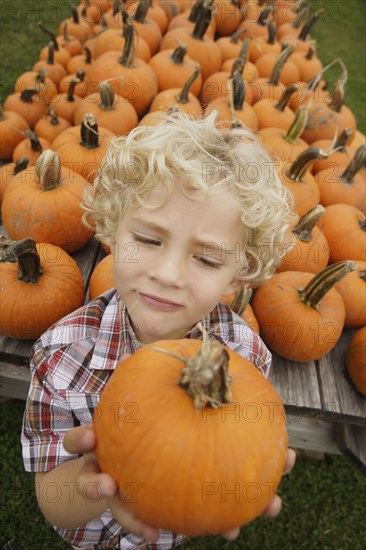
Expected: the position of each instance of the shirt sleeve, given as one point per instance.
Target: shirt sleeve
(47, 418)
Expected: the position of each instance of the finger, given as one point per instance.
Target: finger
(79, 440)
(232, 534)
(128, 520)
(290, 461)
(273, 508)
(90, 474)
(125, 356)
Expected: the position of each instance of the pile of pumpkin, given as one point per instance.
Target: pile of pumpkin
(114, 65)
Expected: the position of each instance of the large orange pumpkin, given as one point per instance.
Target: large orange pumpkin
(39, 284)
(300, 315)
(356, 360)
(44, 202)
(144, 432)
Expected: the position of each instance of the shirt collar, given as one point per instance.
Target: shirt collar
(115, 336)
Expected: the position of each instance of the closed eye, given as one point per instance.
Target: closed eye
(208, 263)
(145, 240)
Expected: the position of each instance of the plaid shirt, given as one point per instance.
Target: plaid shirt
(72, 362)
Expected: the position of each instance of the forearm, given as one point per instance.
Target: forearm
(64, 501)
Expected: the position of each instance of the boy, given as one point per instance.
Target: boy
(190, 214)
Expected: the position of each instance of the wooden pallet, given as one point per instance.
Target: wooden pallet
(325, 412)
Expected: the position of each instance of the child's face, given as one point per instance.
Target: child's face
(173, 263)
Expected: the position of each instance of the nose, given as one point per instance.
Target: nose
(168, 268)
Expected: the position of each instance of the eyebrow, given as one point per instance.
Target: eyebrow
(207, 245)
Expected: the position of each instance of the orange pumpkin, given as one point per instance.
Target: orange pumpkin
(31, 146)
(173, 68)
(200, 47)
(339, 184)
(12, 130)
(308, 248)
(39, 284)
(356, 360)
(8, 171)
(134, 416)
(282, 144)
(239, 303)
(129, 76)
(50, 126)
(111, 111)
(300, 315)
(83, 147)
(27, 105)
(352, 288)
(44, 202)
(113, 39)
(344, 227)
(180, 97)
(102, 278)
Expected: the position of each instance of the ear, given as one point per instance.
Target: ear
(233, 287)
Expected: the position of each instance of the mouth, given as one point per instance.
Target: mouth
(159, 303)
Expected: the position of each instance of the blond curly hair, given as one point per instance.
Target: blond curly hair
(202, 159)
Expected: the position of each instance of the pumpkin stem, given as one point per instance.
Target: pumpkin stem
(342, 140)
(26, 96)
(311, 51)
(271, 33)
(183, 96)
(51, 54)
(106, 93)
(241, 300)
(48, 170)
(195, 10)
(80, 74)
(355, 165)
(304, 227)
(302, 11)
(20, 165)
(141, 11)
(89, 132)
(309, 25)
(53, 117)
(241, 60)
(206, 378)
(323, 281)
(203, 20)
(74, 15)
(35, 143)
(71, 90)
(263, 16)
(298, 125)
(285, 97)
(88, 55)
(305, 158)
(236, 35)
(362, 274)
(41, 76)
(25, 253)
(278, 66)
(177, 56)
(238, 91)
(128, 56)
(49, 33)
(314, 82)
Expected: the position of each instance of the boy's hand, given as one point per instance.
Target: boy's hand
(274, 507)
(82, 440)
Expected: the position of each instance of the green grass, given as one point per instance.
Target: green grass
(323, 501)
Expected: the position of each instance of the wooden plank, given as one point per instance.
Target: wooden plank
(340, 399)
(296, 383)
(14, 381)
(311, 434)
(352, 442)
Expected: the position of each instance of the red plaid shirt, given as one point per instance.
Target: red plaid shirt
(72, 362)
